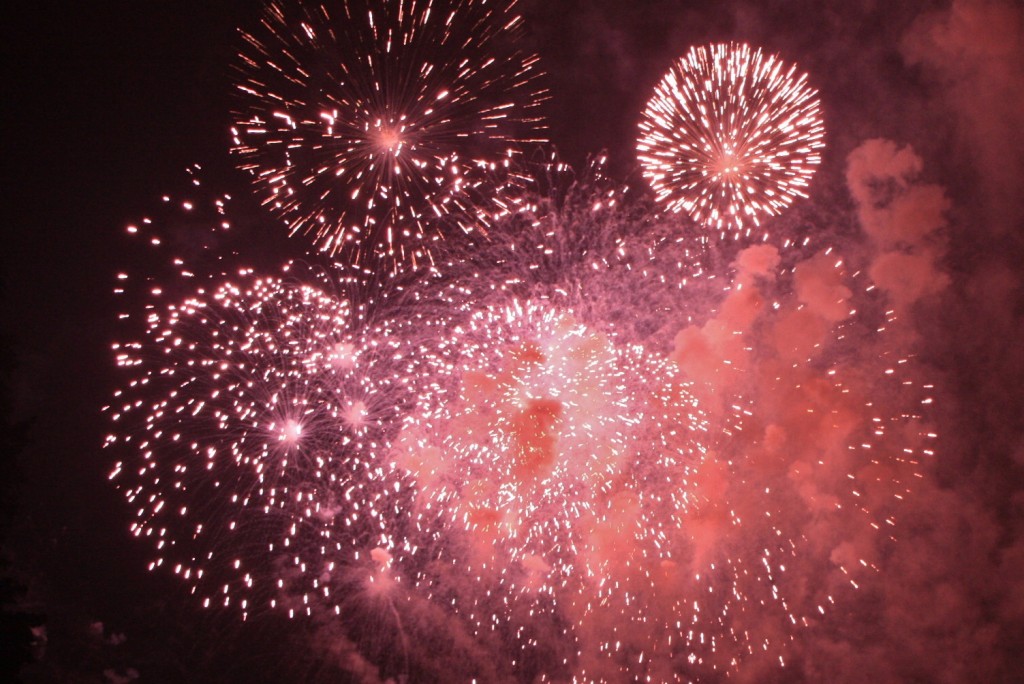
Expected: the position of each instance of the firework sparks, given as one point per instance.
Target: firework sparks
(374, 126)
(585, 447)
(730, 136)
(264, 425)
(596, 466)
(547, 430)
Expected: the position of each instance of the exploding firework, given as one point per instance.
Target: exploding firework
(601, 479)
(590, 447)
(375, 126)
(570, 469)
(543, 433)
(262, 414)
(730, 136)
(576, 235)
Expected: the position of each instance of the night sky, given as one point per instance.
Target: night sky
(107, 103)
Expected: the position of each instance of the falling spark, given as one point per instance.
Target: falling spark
(584, 448)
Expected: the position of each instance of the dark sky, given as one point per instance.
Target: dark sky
(106, 103)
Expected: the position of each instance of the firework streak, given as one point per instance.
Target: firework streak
(371, 125)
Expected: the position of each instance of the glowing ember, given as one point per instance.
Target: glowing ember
(587, 448)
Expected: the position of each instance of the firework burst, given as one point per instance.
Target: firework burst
(584, 448)
(571, 450)
(375, 127)
(262, 420)
(730, 136)
(543, 433)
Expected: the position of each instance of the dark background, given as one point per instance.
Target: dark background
(106, 103)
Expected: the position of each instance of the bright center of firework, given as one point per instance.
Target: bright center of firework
(355, 415)
(543, 435)
(291, 432)
(389, 139)
(343, 356)
(728, 165)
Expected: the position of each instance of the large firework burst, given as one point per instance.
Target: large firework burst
(375, 126)
(731, 135)
(579, 450)
(545, 430)
(574, 493)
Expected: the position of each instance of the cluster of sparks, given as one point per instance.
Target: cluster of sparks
(730, 136)
(266, 417)
(508, 448)
(372, 126)
(544, 432)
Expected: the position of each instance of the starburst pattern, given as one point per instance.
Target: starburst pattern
(380, 127)
(265, 424)
(582, 447)
(544, 430)
(730, 136)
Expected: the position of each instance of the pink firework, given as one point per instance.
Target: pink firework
(591, 446)
(539, 430)
(376, 127)
(262, 413)
(730, 136)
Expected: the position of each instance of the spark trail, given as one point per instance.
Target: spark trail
(585, 448)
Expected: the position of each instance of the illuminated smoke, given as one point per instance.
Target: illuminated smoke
(538, 431)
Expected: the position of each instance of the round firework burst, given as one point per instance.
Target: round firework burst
(373, 125)
(730, 136)
(261, 414)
